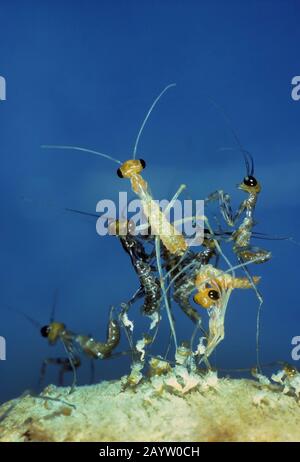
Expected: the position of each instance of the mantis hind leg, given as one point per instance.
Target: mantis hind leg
(64, 366)
(160, 270)
(164, 292)
(260, 302)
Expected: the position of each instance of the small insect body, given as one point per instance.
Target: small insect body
(182, 294)
(160, 226)
(212, 282)
(241, 236)
(74, 343)
(184, 281)
(131, 169)
(98, 350)
(150, 287)
(56, 331)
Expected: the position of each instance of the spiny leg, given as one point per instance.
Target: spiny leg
(182, 292)
(74, 362)
(160, 271)
(163, 288)
(174, 198)
(168, 346)
(170, 334)
(216, 243)
(127, 324)
(244, 266)
(230, 269)
(64, 364)
(196, 329)
(260, 301)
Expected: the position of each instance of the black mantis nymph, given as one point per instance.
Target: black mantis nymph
(162, 229)
(150, 290)
(142, 262)
(184, 284)
(150, 287)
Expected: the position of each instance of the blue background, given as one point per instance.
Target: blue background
(85, 73)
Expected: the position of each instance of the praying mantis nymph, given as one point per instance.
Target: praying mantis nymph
(57, 331)
(214, 288)
(75, 343)
(131, 169)
(157, 220)
(212, 282)
(160, 226)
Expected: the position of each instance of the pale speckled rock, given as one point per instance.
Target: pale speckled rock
(214, 410)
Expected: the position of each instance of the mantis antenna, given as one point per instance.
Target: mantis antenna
(77, 148)
(148, 115)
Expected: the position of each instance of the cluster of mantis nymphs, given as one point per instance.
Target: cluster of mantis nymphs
(170, 271)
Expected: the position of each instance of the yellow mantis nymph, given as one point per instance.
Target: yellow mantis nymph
(208, 294)
(160, 226)
(214, 288)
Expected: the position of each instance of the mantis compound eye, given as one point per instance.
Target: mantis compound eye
(250, 181)
(143, 163)
(213, 294)
(45, 330)
(119, 173)
(206, 297)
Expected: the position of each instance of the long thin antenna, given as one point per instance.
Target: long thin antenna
(33, 321)
(82, 212)
(77, 148)
(147, 117)
(249, 163)
(247, 156)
